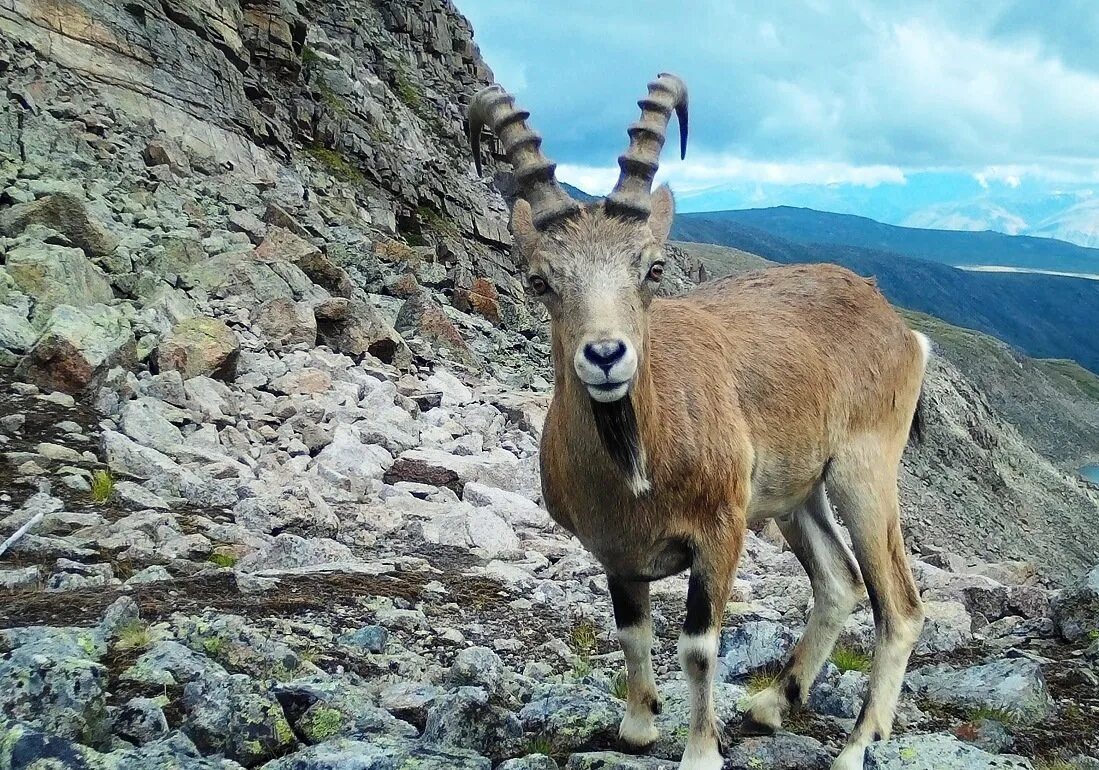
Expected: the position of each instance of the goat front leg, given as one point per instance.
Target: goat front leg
(707, 593)
(633, 618)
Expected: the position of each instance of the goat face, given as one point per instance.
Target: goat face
(597, 275)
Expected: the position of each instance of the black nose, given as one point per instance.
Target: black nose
(605, 353)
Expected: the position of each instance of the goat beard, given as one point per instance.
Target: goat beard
(616, 424)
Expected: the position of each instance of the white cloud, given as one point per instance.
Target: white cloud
(696, 176)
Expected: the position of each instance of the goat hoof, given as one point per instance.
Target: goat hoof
(749, 726)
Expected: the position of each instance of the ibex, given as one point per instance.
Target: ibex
(675, 422)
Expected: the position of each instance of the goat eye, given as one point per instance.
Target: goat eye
(656, 272)
(538, 285)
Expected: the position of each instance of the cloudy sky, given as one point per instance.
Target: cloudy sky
(926, 112)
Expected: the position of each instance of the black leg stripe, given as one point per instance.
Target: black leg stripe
(699, 618)
(627, 611)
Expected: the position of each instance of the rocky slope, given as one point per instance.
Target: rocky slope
(273, 400)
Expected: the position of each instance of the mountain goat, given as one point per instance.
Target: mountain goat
(677, 421)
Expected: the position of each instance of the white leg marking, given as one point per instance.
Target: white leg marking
(702, 751)
(638, 728)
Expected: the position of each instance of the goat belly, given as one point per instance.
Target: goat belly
(637, 563)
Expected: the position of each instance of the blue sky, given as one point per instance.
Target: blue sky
(926, 113)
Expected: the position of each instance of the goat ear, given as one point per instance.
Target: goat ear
(662, 213)
(522, 226)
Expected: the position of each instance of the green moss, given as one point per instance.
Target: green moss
(1093, 635)
(223, 559)
(213, 646)
(849, 659)
(908, 753)
(87, 644)
(335, 163)
(324, 722)
(102, 486)
(1053, 764)
(309, 56)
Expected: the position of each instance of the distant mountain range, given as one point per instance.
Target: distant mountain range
(1045, 316)
(1064, 216)
(951, 247)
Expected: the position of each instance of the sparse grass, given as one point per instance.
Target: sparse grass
(1053, 764)
(102, 486)
(1087, 382)
(849, 659)
(309, 56)
(583, 638)
(1002, 716)
(223, 559)
(538, 745)
(1093, 635)
(761, 680)
(435, 220)
(619, 686)
(133, 635)
(408, 93)
(581, 667)
(332, 99)
(335, 163)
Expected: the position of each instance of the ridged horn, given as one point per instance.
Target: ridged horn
(535, 178)
(632, 193)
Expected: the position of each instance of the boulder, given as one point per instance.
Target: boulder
(1014, 686)
(16, 332)
(65, 213)
(752, 645)
(936, 752)
(285, 323)
(284, 244)
(571, 717)
(422, 316)
(355, 328)
(465, 719)
(56, 275)
(77, 347)
(199, 346)
(1076, 610)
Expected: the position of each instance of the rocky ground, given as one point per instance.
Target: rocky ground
(272, 403)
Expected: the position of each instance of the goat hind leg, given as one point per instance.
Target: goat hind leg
(814, 537)
(633, 619)
(866, 493)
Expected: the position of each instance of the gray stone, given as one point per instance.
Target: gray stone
(234, 715)
(285, 323)
(145, 423)
(752, 645)
(141, 720)
(77, 346)
(370, 639)
(1015, 686)
(466, 719)
(16, 579)
(478, 667)
(16, 332)
(1076, 610)
(65, 213)
(379, 753)
(54, 683)
(529, 762)
(355, 328)
(613, 760)
(200, 346)
(783, 751)
(570, 717)
(936, 752)
(321, 709)
(841, 696)
(409, 701)
(288, 552)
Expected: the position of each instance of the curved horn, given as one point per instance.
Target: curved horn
(534, 172)
(630, 196)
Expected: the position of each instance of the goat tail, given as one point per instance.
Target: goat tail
(917, 429)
